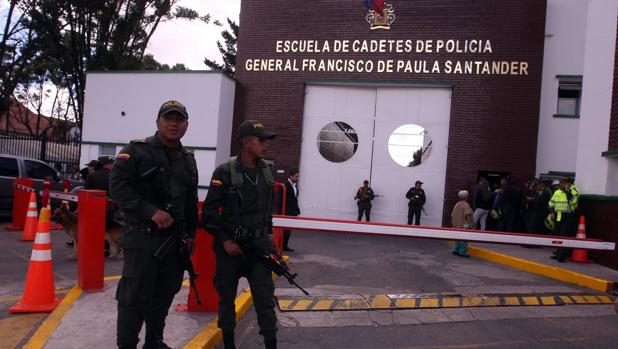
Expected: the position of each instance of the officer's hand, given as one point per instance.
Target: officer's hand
(162, 219)
(190, 245)
(553, 216)
(232, 248)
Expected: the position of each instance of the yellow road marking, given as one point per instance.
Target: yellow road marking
(429, 303)
(472, 301)
(542, 269)
(530, 300)
(605, 299)
(548, 300)
(381, 301)
(27, 259)
(302, 304)
(405, 303)
(592, 299)
(511, 301)
(112, 278)
(351, 304)
(14, 328)
(492, 301)
(284, 304)
(579, 299)
(48, 327)
(323, 304)
(566, 299)
(451, 302)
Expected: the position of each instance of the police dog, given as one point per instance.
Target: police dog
(68, 220)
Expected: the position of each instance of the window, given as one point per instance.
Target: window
(39, 170)
(8, 167)
(569, 96)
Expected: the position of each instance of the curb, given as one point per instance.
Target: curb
(211, 335)
(556, 273)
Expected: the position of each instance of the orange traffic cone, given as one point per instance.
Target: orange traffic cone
(39, 296)
(581, 256)
(31, 220)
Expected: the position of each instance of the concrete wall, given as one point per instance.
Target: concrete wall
(209, 98)
(593, 170)
(565, 34)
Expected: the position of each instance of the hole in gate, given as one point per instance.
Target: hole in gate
(409, 145)
(337, 141)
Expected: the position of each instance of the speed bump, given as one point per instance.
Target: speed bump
(433, 301)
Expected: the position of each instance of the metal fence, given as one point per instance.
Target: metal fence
(60, 153)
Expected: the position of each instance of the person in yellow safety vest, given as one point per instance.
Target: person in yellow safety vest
(563, 205)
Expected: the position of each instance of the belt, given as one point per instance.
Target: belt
(251, 233)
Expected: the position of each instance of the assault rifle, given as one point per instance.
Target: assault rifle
(274, 262)
(177, 235)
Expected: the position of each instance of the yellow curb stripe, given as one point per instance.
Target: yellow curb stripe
(492, 301)
(48, 327)
(472, 301)
(112, 278)
(211, 335)
(543, 269)
(405, 303)
(548, 300)
(605, 300)
(511, 301)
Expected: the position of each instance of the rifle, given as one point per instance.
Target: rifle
(177, 235)
(275, 263)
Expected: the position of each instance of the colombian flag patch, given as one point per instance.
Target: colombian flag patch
(216, 183)
(123, 156)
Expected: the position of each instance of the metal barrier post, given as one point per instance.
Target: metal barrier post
(278, 232)
(91, 236)
(21, 198)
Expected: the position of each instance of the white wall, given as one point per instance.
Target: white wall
(594, 173)
(208, 96)
(565, 34)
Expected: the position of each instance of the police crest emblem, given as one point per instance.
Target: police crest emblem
(381, 14)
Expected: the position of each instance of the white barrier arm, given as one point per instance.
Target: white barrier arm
(385, 229)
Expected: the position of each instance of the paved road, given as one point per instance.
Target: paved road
(330, 264)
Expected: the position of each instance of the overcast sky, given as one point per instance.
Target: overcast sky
(189, 42)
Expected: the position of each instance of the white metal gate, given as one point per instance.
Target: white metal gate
(327, 188)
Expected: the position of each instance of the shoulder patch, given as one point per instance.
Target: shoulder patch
(138, 141)
(123, 156)
(216, 183)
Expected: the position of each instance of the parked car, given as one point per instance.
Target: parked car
(12, 167)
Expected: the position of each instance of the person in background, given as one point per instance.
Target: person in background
(99, 180)
(482, 203)
(291, 204)
(538, 208)
(364, 195)
(462, 218)
(90, 168)
(563, 206)
(417, 198)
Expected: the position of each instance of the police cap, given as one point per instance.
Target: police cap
(254, 128)
(173, 107)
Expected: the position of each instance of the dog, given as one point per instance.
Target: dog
(68, 220)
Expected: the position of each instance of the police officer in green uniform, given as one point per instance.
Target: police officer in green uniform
(243, 188)
(154, 182)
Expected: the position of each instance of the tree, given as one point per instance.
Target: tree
(17, 51)
(228, 54)
(76, 36)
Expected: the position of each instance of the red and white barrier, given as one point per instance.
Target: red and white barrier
(410, 231)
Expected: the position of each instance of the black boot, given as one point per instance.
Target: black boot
(156, 345)
(228, 340)
(270, 343)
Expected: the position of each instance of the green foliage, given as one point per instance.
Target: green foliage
(228, 53)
